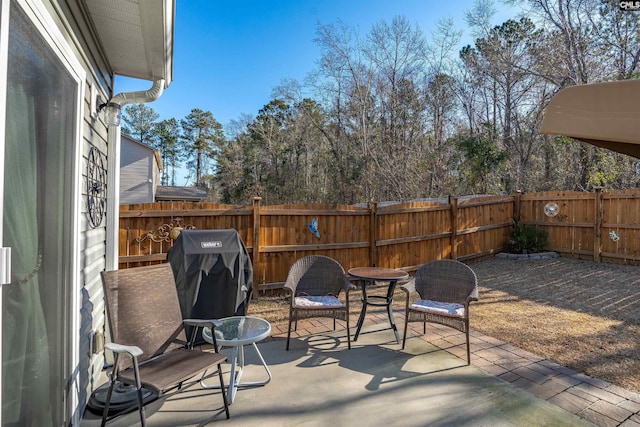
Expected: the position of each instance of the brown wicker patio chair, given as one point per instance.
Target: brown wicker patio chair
(143, 312)
(314, 283)
(445, 288)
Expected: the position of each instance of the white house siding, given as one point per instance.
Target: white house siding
(156, 175)
(92, 258)
(137, 172)
(91, 316)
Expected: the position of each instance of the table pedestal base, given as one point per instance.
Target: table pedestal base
(387, 303)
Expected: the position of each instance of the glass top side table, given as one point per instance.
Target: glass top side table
(237, 332)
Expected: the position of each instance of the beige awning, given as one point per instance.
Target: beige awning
(604, 114)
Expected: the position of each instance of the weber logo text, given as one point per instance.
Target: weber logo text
(209, 245)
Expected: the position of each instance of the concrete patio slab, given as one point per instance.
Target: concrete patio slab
(319, 382)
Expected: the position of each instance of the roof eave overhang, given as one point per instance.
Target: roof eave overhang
(136, 36)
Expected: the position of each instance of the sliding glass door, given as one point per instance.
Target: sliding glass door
(39, 140)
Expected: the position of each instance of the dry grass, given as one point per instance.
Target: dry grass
(580, 314)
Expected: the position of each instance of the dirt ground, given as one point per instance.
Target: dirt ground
(580, 314)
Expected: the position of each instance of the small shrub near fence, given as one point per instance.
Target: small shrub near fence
(526, 239)
(599, 226)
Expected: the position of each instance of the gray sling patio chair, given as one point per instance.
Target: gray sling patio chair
(445, 288)
(147, 326)
(314, 283)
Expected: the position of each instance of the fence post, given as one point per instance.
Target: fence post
(256, 243)
(453, 202)
(373, 233)
(516, 206)
(597, 232)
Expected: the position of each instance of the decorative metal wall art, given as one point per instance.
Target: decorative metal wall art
(166, 232)
(313, 227)
(551, 209)
(96, 187)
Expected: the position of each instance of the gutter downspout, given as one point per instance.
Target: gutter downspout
(113, 165)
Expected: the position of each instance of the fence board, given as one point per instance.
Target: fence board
(413, 233)
(483, 225)
(621, 226)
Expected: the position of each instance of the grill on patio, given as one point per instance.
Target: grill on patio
(213, 273)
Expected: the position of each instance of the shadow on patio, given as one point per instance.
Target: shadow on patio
(320, 382)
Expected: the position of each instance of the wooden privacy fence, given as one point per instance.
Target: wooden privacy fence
(601, 226)
(404, 235)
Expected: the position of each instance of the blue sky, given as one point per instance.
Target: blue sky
(230, 54)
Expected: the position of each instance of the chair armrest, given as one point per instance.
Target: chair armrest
(290, 284)
(409, 287)
(201, 323)
(473, 296)
(348, 286)
(131, 350)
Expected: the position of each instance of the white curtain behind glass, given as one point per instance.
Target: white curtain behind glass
(26, 385)
(25, 396)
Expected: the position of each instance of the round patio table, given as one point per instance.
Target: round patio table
(236, 332)
(368, 275)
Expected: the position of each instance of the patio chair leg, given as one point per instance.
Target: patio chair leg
(136, 372)
(404, 335)
(224, 395)
(289, 334)
(105, 411)
(468, 348)
(141, 406)
(348, 333)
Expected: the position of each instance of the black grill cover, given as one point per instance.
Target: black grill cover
(213, 273)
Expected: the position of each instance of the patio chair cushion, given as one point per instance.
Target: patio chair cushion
(313, 301)
(437, 307)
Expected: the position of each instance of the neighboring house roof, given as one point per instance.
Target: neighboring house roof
(136, 36)
(156, 153)
(191, 194)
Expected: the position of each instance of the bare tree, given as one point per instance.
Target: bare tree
(397, 54)
(394, 117)
(344, 80)
(617, 32)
